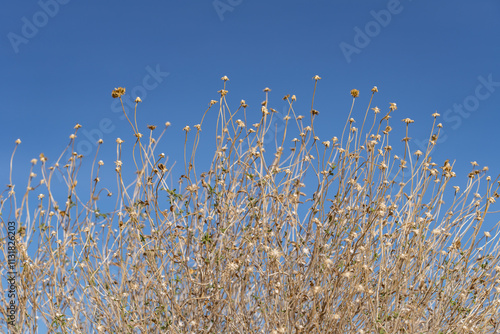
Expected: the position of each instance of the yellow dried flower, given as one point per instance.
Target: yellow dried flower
(355, 93)
(393, 106)
(374, 89)
(138, 99)
(225, 78)
(118, 92)
(316, 77)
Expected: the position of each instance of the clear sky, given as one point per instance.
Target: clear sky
(61, 59)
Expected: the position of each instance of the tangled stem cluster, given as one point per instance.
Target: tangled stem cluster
(240, 248)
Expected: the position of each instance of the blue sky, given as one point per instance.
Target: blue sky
(425, 57)
(61, 60)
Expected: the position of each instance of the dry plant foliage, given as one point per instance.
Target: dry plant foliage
(239, 248)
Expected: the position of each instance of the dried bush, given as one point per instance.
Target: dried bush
(239, 248)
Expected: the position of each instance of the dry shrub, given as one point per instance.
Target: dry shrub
(238, 248)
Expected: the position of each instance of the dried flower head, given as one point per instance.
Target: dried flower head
(240, 123)
(316, 77)
(355, 93)
(393, 106)
(118, 92)
(187, 128)
(222, 92)
(374, 89)
(138, 99)
(225, 78)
